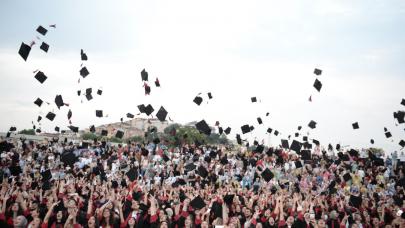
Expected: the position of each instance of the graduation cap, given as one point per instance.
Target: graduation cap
(267, 175)
(83, 55)
(298, 164)
(74, 129)
(190, 167)
(46, 175)
(39, 118)
(385, 129)
(147, 89)
(400, 116)
(209, 95)
(59, 101)
(259, 149)
(129, 115)
(296, 134)
(84, 72)
(203, 127)
(38, 102)
(355, 201)
(316, 142)
(69, 115)
(388, 134)
(24, 51)
(57, 129)
(253, 99)
(99, 113)
(142, 108)
(198, 100)
(228, 199)
(119, 134)
(40, 76)
(372, 141)
(276, 132)
(89, 90)
(44, 46)
(259, 120)
(89, 97)
(202, 171)
(355, 125)
(50, 116)
(92, 128)
(347, 177)
(306, 155)
(317, 71)
(312, 124)
(197, 203)
(238, 139)
(99, 92)
(402, 143)
(305, 138)
(296, 146)
(149, 109)
(42, 30)
(79, 92)
(252, 128)
(318, 85)
(132, 174)
(13, 129)
(161, 114)
(403, 102)
(144, 75)
(227, 131)
(38, 130)
(68, 158)
(104, 132)
(245, 129)
(269, 130)
(284, 144)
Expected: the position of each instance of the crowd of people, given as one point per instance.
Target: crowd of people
(60, 184)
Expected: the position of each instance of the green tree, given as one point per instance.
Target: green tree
(90, 136)
(27, 132)
(136, 138)
(115, 140)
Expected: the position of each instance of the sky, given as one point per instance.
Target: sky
(234, 49)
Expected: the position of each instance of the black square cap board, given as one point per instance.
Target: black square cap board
(203, 127)
(198, 100)
(129, 115)
(104, 132)
(41, 30)
(83, 55)
(284, 144)
(317, 71)
(84, 72)
(144, 75)
(50, 116)
(89, 97)
(267, 175)
(259, 120)
(388, 134)
(227, 131)
(119, 134)
(141, 108)
(92, 128)
(38, 102)
(99, 113)
(161, 114)
(149, 109)
(59, 101)
(44, 47)
(355, 125)
(24, 51)
(296, 146)
(74, 129)
(312, 124)
(269, 130)
(40, 76)
(318, 85)
(253, 99)
(99, 92)
(197, 203)
(209, 95)
(245, 129)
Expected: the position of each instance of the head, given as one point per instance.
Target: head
(20, 221)
(91, 222)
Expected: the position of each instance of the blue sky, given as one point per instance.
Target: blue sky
(233, 49)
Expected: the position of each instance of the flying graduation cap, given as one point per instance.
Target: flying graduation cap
(157, 83)
(253, 99)
(74, 129)
(198, 100)
(259, 120)
(227, 131)
(24, 51)
(318, 85)
(59, 101)
(355, 125)
(84, 72)
(38, 102)
(129, 115)
(99, 113)
(403, 102)
(203, 127)
(312, 124)
(149, 110)
(92, 129)
(161, 114)
(209, 95)
(40, 76)
(317, 71)
(42, 30)
(69, 115)
(50, 116)
(44, 47)
(99, 92)
(83, 55)
(144, 75)
(245, 129)
(119, 134)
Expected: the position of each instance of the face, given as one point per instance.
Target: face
(19, 221)
(131, 221)
(59, 215)
(91, 222)
(36, 222)
(187, 222)
(204, 225)
(15, 207)
(106, 213)
(290, 220)
(163, 225)
(271, 221)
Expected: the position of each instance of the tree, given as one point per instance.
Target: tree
(90, 136)
(27, 132)
(136, 138)
(115, 140)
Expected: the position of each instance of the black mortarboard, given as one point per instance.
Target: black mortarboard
(253, 99)
(305, 138)
(13, 129)
(149, 109)
(299, 128)
(198, 100)
(402, 143)
(38, 102)
(267, 175)
(142, 108)
(69, 115)
(317, 71)
(227, 131)
(298, 164)
(50, 116)
(46, 175)
(296, 146)
(259, 120)
(202, 171)
(8, 134)
(245, 129)
(92, 128)
(403, 102)
(203, 127)
(209, 95)
(129, 115)
(89, 97)
(74, 129)
(68, 158)
(312, 124)
(132, 174)
(42, 30)
(269, 130)
(197, 203)
(238, 139)
(89, 90)
(144, 75)
(57, 129)
(347, 177)
(259, 149)
(119, 134)
(318, 85)
(104, 132)
(306, 155)
(276, 132)
(220, 130)
(157, 83)
(355, 201)
(38, 130)
(316, 142)
(353, 153)
(296, 134)
(388, 134)
(99, 113)
(400, 116)
(355, 125)
(385, 129)
(228, 199)
(39, 118)
(337, 146)
(252, 128)
(79, 92)
(99, 92)
(284, 143)
(84, 72)
(83, 55)
(44, 46)
(24, 51)
(372, 141)
(161, 114)
(59, 101)
(40, 76)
